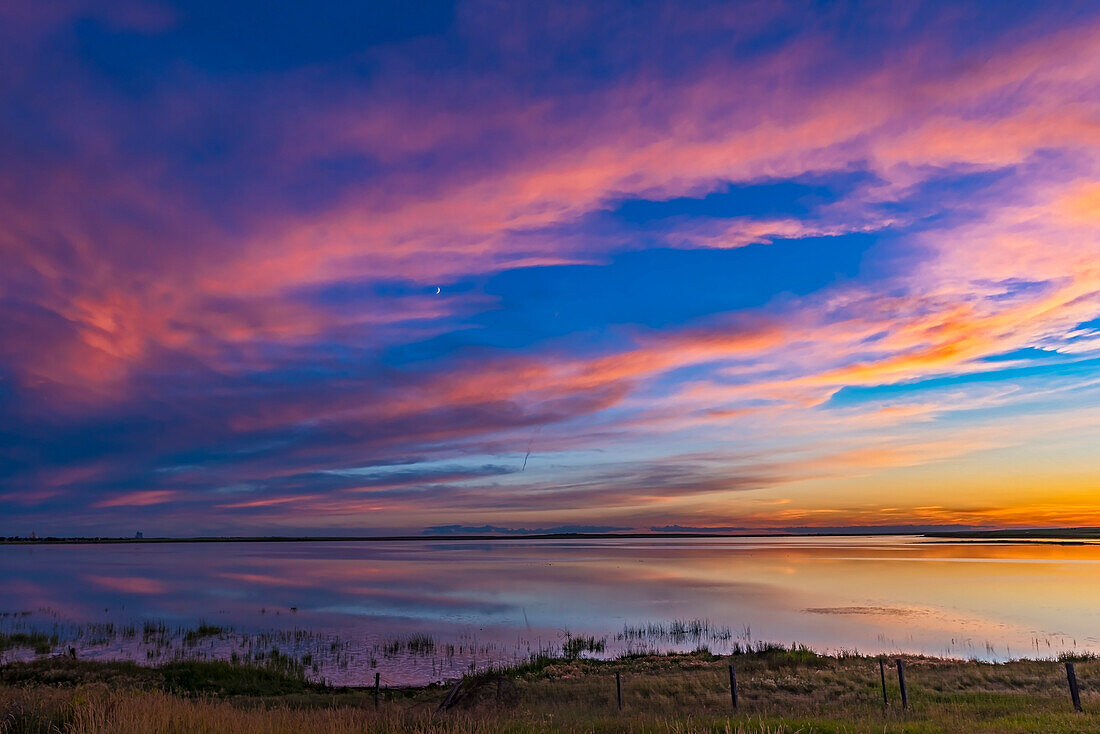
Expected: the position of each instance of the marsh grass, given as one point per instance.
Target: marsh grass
(42, 644)
(203, 631)
(327, 656)
(676, 631)
(780, 690)
(572, 647)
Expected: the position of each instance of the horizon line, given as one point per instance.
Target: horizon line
(869, 531)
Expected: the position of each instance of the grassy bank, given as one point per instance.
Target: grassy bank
(779, 691)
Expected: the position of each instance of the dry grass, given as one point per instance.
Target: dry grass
(780, 691)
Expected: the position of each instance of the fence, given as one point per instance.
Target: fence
(463, 687)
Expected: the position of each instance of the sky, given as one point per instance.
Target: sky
(366, 268)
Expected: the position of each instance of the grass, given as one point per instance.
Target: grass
(204, 630)
(418, 644)
(182, 677)
(574, 646)
(40, 643)
(678, 630)
(780, 690)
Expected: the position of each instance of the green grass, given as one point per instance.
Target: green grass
(181, 677)
(40, 643)
(780, 690)
(226, 679)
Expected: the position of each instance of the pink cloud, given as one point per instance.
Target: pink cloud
(130, 584)
(176, 285)
(891, 119)
(140, 499)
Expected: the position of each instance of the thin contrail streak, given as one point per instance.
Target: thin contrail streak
(529, 445)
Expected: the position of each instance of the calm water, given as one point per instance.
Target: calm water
(350, 609)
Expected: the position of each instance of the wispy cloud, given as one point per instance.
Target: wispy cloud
(289, 269)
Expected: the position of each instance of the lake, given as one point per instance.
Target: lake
(417, 611)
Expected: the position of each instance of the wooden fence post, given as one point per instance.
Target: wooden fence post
(619, 689)
(450, 696)
(901, 682)
(377, 678)
(882, 674)
(1074, 692)
(733, 686)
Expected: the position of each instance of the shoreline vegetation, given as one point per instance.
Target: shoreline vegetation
(394, 538)
(328, 658)
(1010, 535)
(779, 690)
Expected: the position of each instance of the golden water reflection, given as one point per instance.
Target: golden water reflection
(876, 594)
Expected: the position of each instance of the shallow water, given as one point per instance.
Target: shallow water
(351, 607)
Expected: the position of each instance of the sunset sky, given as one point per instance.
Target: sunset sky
(273, 267)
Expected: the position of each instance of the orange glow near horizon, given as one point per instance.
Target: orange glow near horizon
(760, 270)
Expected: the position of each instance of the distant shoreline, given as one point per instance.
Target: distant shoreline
(396, 538)
(1013, 535)
(1001, 536)
(1005, 536)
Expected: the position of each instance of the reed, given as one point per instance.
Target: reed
(42, 644)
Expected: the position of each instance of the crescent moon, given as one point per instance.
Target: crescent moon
(437, 290)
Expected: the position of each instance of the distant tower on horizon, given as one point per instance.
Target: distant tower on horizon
(139, 535)
(34, 535)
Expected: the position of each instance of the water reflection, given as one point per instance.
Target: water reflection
(494, 601)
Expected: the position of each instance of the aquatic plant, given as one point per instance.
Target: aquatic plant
(574, 646)
(676, 631)
(42, 644)
(204, 630)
